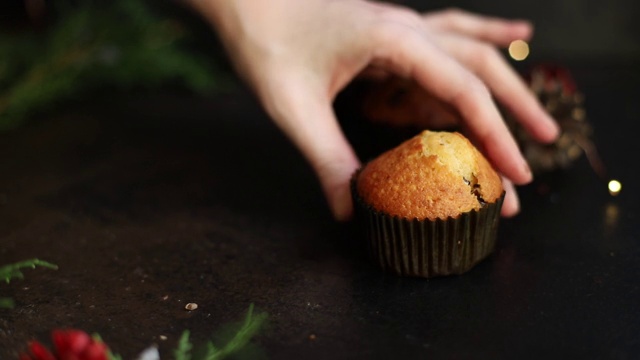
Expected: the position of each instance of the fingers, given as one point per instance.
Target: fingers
(411, 54)
(505, 84)
(500, 32)
(511, 204)
(307, 118)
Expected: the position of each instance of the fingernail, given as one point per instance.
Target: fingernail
(523, 21)
(557, 129)
(550, 119)
(527, 170)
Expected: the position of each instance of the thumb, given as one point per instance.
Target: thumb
(308, 120)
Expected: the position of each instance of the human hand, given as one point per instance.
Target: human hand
(297, 55)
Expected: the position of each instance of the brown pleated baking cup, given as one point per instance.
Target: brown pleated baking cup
(426, 248)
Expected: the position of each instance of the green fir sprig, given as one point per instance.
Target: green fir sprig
(239, 340)
(7, 303)
(110, 354)
(183, 351)
(96, 45)
(14, 271)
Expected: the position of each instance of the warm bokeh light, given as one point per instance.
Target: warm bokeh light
(518, 50)
(614, 187)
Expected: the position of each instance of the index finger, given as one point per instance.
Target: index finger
(409, 52)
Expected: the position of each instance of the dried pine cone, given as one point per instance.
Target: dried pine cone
(556, 90)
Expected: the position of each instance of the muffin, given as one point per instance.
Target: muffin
(430, 206)
(404, 103)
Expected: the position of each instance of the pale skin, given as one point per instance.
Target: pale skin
(298, 55)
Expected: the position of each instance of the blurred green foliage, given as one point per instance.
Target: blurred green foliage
(14, 271)
(120, 44)
(236, 337)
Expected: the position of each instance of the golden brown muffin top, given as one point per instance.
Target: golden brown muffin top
(432, 175)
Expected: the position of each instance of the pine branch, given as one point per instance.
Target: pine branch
(240, 339)
(110, 354)
(6, 303)
(120, 44)
(183, 351)
(12, 271)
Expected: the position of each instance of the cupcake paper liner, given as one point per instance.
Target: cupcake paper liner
(428, 248)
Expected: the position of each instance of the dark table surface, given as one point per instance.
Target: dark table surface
(149, 202)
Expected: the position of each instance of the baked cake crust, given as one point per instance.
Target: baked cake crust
(432, 175)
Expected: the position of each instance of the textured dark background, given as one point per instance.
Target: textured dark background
(565, 29)
(150, 201)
